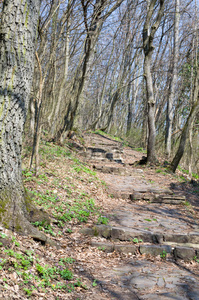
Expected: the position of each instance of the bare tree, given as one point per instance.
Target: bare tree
(149, 30)
(174, 74)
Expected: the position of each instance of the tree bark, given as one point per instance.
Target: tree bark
(148, 37)
(17, 46)
(171, 97)
(192, 114)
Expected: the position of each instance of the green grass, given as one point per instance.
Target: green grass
(80, 168)
(103, 220)
(194, 175)
(49, 150)
(140, 149)
(36, 275)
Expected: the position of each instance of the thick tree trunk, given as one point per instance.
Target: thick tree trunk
(17, 45)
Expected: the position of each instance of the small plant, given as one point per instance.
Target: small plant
(101, 248)
(94, 283)
(103, 183)
(196, 259)
(3, 235)
(40, 269)
(102, 220)
(15, 242)
(148, 220)
(66, 274)
(194, 175)
(140, 149)
(28, 291)
(68, 260)
(187, 203)
(182, 178)
(163, 255)
(136, 240)
(151, 181)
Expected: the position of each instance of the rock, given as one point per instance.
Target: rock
(143, 282)
(182, 238)
(194, 238)
(169, 199)
(136, 196)
(139, 171)
(161, 282)
(107, 247)
(102, 230)
(184, 253)
(157, 190)
(87, 231)
(108, 170)
(193, 294)
(176, 238)
(110, 247)
(141, 189)
(155, 250)
(119, 234)
(128, 234)
(124, 195)
(126, 248)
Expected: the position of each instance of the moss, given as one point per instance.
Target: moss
(5, 224)
(3, 201)
(33, 213)
(18, 227)
(95, 231)
(1, 108)
(25, 8)
(26, 21)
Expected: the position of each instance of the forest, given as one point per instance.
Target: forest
(99, 149)
(129, 68)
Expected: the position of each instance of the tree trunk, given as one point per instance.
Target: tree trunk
(149, 31)
(187, 125)
(171, 97)
(17, 45)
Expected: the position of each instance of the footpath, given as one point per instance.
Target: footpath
(156, 224)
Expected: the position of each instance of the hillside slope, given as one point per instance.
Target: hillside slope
(115, 235)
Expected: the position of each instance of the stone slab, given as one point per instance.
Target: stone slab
(155, 250)
(184, 253)
(107, 247)
(125, 248)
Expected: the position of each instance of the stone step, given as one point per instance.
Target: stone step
(161, 198)
(148, 196)
(102, 154)
(109, 170)
(164, 251)
(169, 199)
(128, 234)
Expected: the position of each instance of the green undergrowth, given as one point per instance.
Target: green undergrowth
(193, 175)
(51, 151)
(64, 189)
(34, 275)
(63, 196)
(140, 149)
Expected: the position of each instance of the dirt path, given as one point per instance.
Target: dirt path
(152, 224)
